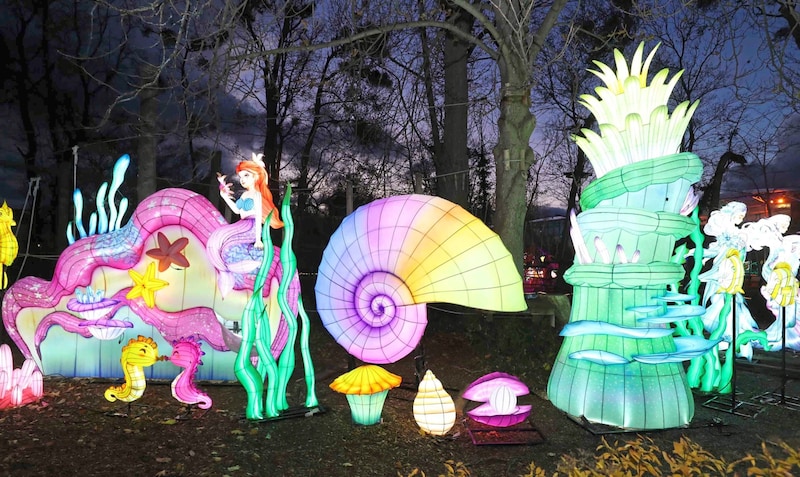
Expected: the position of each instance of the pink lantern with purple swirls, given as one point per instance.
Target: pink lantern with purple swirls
(392, 256)
(171, 229)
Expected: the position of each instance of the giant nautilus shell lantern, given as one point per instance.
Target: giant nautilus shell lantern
(392, 256)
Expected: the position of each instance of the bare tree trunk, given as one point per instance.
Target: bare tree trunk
(212, 194)
(272, 131)
(146, 150)
(788, 10)
(513, 155)
(452, 165)
(566, 253)
(25, 107)
(710, 199)
(303, 184)
(63, 202)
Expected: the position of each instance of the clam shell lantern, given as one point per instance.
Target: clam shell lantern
(434, 409)
(498, 392)
(366, 388)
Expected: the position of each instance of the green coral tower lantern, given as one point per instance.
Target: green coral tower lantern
(619, 364)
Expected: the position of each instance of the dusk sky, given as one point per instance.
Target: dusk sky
(245, 133)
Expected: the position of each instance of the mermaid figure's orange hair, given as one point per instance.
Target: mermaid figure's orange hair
(256, 167)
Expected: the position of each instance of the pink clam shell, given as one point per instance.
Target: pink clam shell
(481, 389)
(486, 414)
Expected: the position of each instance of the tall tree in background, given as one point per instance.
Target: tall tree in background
(516, 32)
(711, 75)
(779, 23)
(517, 51)
(58, 85)
(281, 76)
(565, 76)
(333, 87)
(451, 157)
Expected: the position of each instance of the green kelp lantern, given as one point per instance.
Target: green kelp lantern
(619, 364)
(366, 388)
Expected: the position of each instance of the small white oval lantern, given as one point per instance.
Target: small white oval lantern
(434, 409)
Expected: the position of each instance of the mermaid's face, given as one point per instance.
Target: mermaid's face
(247, 179)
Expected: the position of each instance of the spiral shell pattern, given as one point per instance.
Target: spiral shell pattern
(391, 256)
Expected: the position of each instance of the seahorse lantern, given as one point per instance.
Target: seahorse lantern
(619, 364)
(8, 242)
(138, 354)
(186, 353)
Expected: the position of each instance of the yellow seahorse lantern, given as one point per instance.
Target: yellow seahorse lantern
(8, 242)
(136, 355)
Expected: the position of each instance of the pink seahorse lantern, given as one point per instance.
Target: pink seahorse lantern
(186, 353)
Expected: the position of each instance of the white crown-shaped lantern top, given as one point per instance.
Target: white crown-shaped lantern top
(632, 116)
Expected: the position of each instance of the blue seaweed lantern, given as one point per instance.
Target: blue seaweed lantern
(101, 221)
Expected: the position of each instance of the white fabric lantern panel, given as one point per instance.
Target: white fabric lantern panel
(434, 409)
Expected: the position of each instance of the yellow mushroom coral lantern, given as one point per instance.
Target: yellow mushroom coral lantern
(434, 409)
(366, 388)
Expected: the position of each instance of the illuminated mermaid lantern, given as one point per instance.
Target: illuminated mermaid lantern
(234, 249)
(619, 364)
(392, 256)
(157, 275)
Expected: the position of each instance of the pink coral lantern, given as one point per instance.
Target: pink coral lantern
(18, 387)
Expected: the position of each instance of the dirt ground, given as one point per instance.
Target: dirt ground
(75, 431)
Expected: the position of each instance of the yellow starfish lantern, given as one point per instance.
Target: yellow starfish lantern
(146, 285)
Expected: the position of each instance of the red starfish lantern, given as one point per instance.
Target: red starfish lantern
(168, 253)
